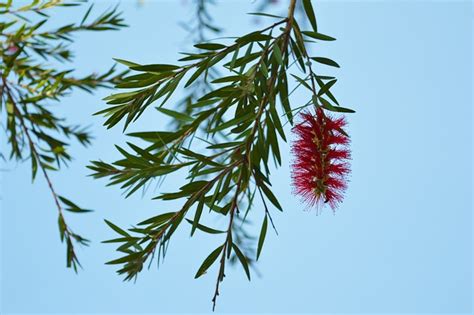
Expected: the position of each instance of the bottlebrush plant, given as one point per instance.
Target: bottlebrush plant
(227, 138)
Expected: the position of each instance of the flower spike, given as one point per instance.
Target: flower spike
(322, 155)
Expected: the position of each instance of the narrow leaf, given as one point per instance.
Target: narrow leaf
(318, 36)
(210, 46)
(208, 262)
(308, 8)
(204, 228)
(263, 234)
(242, 259)
(326, 61)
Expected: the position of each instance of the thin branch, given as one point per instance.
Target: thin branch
(228, 240)
(67, 230)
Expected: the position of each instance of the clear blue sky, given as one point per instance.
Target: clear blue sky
(402, 240)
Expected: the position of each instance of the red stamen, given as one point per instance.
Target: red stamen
(321, 164)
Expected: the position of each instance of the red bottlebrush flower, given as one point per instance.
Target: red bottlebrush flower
(321, 162)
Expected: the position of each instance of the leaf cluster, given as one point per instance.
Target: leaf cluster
(226, 139)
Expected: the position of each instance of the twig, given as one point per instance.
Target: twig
(67, 230)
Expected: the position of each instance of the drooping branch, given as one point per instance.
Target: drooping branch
(31, 83)
(224, 138)
(66, 233)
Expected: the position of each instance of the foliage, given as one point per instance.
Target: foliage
(31, 53)
(226, 139)
(203, 26)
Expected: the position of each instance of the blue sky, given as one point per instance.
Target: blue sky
(400, 243)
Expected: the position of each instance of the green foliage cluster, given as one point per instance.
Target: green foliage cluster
(227, 137)
(31, 87)
(225, 133)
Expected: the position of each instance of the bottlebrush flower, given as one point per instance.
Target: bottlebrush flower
(321, 164)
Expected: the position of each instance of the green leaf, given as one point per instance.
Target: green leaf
(326, 61)
(252, 37)
(172, 196)
(121, 240)
(155, 68)
(234, 57)
(272, 139)
(161, 137)
(318, 36)
(321, 84)
(232, 78)
(277, 122)
(270, 196)
(124, 259)
(62, 227)
(197, 216)
(263, 234)
(194, 186)
(174, 114)
(284, 96)
(204, 228)
(34, 166)
(243, 60)
(302, 82)
(308, 8)
(196, 74)
(204, 159)
(72, 207)
(278, 55)
(265, 14)
(325, 88)
(225, 145)
(126, 62)
(159, 219)
(78, 210)
(87, 14)
(235, 121)
(116, 228)
(242, 259)
(329, 106)
(208, 262)
(210, 46)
